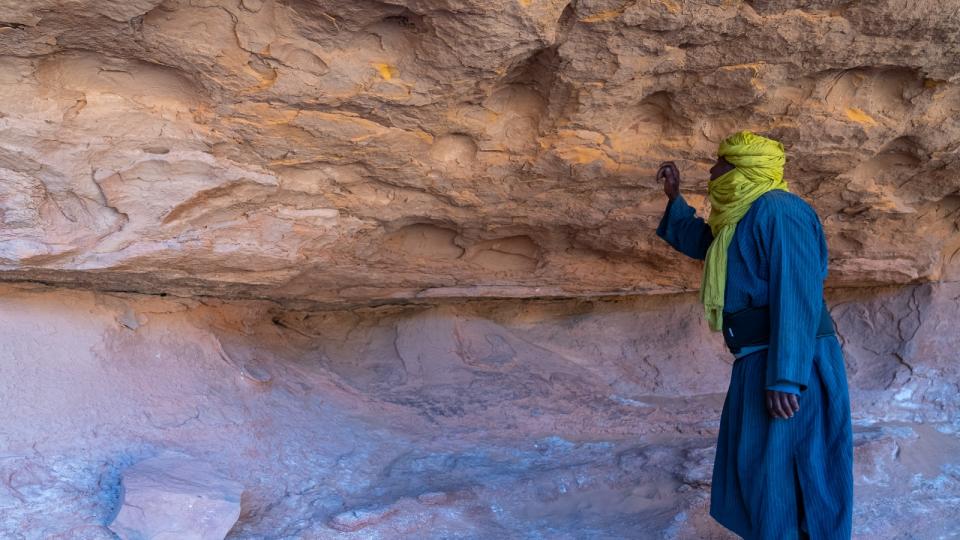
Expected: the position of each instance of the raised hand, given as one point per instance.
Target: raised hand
(669, 174)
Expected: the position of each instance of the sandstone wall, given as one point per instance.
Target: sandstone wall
(349, 152)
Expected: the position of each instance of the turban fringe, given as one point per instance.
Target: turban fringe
(758, 163)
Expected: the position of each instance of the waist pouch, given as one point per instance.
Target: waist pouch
(751, 326)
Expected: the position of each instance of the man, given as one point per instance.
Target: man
(783, 468)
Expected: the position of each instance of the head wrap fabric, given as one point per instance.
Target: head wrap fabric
(758, 168)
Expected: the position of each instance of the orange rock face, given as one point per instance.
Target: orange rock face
(357, 152)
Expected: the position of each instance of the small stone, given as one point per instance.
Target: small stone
(354, 520)
(434, 498)
(254, 373)
(176, 497)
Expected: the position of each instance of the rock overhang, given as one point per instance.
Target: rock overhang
(376, 152)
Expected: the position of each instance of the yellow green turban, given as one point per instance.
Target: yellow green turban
(758, 163)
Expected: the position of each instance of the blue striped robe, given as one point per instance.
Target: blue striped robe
(773, 478)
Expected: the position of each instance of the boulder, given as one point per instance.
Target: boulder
(176, 498)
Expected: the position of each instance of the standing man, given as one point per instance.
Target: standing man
(784, 463)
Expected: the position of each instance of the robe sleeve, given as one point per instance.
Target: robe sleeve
(796, 250)
(790, 388)
(683, 230)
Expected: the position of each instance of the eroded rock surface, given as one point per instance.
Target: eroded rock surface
(525, 419)
(368, 151)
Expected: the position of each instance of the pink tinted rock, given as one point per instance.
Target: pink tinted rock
(177, 498)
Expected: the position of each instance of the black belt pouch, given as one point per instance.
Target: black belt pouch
(751, 326)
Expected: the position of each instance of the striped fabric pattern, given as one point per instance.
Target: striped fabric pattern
(774, 478)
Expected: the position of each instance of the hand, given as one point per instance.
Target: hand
(669, 174)
(782, 404)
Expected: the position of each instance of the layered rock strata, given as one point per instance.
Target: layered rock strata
(367, 151)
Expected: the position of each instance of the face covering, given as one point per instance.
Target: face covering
(758, 163)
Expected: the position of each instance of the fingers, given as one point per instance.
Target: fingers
(785, 405)
(778, 412)
(674, 173)
(668, 172)
(794, 402)
(669, 175)
(782, 405)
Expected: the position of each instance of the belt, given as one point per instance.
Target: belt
(751, 326)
